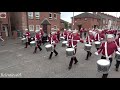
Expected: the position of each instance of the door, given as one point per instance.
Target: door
(5, 28)
(45, 28)
(79, 27)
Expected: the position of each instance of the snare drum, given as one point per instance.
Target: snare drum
(62, 38)
(117, 56)
(64, 43)
(32, 43)
(49, 47)
(24, 40)
(97, 44)
(69, 51)
(87, 47)
(103, 66)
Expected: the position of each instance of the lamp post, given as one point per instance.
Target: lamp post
(116, 20)
(73, 22)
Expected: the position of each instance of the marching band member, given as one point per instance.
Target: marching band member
(107, 48)
(81, 32)
(100, 36)
(27, 35)
(90, 38)
(73, 43)
(64, 34)
(69, 38)
(117, 41)
(58, 34)
(38, 41)
(53, 40)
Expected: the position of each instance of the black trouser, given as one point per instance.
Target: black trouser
(97, 48)
(85, 34)
(88, 55)
(52, 53)
(27, 43)
(117, 64)
(105, 75)
(71, 61)
(58, 36)
(38, 46)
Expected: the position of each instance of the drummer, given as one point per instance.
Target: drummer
(73, 44)
(90, 38)
(53, 40)
(58, 34)
(107, 48)
(27, 35)
(38, 41)
(64, 34)
(69, 38)
(118, 44)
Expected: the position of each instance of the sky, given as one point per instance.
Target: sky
(67, 15)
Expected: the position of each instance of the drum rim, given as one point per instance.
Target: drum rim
(103, 60)
(117, 52)
(88, 45)
(70, 49)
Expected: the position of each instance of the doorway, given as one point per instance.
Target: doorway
(45, 28)
(79, 27)
(5, 29)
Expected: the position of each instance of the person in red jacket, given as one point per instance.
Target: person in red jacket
(73, 43)
(69, 38)
(58, 34)
(53, 40)
(64, 34)
(27, 35)
(38, 41)
(117, 42)
(107, 48)
(81, 32)
(90, 38)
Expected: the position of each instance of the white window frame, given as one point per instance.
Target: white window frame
(4, 14)
(30, 27)
(37, 26)
(49, 16)
(30, 15)
(104, 21)
(56, 16)
(37, 16)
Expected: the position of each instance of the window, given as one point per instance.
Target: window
(31, 27)
(55, 27)
(37, 27)
(50, 15)
(37, 15)
(103, 21)
(55, 16)
(30, 15)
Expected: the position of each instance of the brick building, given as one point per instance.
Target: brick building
(35, 20)
(95, 19)
(5, 24)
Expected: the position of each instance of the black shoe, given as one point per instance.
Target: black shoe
(76, 62)
(56, 54)
(40, 49)
(90, 54)
(69, 67)
(116, 69)
(34, 52)
(86, 59)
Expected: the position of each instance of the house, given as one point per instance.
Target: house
(86, 20)
(5, 24)
(35, 20)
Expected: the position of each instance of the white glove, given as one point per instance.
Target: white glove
(96, 53)
(92, 40)
(78, 40)
(101, 38)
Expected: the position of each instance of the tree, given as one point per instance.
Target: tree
(66, 25)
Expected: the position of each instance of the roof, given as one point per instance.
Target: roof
(87, 15)
(45, 22)
(62, 21)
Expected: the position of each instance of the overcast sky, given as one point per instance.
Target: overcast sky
(67, 15)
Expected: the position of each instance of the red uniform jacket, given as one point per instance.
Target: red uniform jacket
(100, 36)
(37, 36)
(54, 39)
(74, 40)
(27, 34)
(111, 47)
(91, 37)
(64, 34)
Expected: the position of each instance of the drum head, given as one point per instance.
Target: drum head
(23, 38)
(64, 42)
(87, 45)
(49, 45)
(117, 52)
(103, 62)
(97, 42)
(69, 49)
(32, 42)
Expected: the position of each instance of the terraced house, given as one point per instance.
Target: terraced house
(95, 20)
(35, 20)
